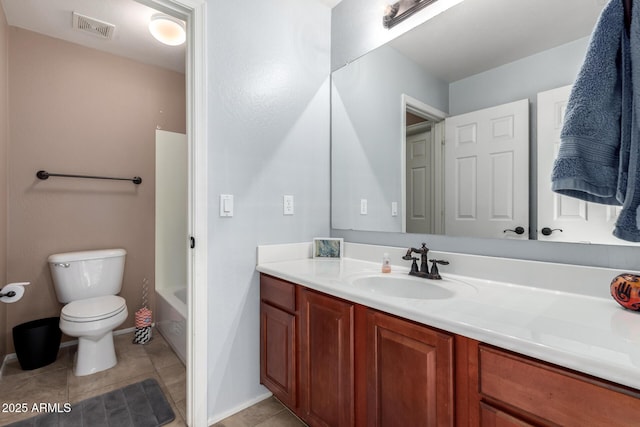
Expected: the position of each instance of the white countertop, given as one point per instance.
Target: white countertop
(588, 332)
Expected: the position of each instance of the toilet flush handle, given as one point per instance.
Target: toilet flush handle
(62, 264)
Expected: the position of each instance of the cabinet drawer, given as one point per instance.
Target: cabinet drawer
(492, 417)
(278, 292)
(556, 395)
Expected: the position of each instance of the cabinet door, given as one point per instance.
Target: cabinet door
(326, 360)
(409, 373)
(278, 353)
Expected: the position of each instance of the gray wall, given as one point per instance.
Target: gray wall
(365, 118)
(352, 25)
(268, 65)
(519, 79)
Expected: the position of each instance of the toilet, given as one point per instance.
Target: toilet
(87, 283)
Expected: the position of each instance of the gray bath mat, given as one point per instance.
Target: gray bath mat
(137, 405)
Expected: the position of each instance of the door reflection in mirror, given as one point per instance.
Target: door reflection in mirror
(456, 72)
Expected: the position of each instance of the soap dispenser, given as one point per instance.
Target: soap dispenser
(386, 263)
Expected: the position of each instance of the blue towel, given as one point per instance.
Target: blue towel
(626, 118)
(588, 163)
(599, 157)
(628, 222)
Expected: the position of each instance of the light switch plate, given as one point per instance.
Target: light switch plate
(394, 208)
(226, 205)
(363, 206)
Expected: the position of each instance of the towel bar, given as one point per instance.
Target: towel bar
(45, 175)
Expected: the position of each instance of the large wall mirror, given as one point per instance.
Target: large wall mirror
(452, 127)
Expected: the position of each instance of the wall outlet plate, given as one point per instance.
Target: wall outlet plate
(287, 205)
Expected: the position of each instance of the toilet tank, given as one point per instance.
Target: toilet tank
(87, 274)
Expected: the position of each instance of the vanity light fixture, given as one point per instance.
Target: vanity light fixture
(167, 29)
(402, 9)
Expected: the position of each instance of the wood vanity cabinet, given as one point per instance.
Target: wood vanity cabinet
(278, 339)
(408, 372)
(306, 352)
(310, 343)
(339, 364)
(326, 360)
(514, 390)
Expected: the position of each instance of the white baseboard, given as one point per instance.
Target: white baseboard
(219, 417)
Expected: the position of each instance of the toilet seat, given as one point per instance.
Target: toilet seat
(93, 309)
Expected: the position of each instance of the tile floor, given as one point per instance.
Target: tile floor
(55, 383)
(268, 413)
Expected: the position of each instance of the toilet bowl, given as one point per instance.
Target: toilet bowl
(87, 283)
(92, 322)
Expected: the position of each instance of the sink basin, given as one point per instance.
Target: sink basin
(405, 286)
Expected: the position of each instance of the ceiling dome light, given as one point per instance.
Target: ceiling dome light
(167, 29)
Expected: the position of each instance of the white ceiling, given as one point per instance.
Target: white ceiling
(478, 35)
(131, 37)
(451, 46)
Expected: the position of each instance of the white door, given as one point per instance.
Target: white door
(565, 218)
(487, 172)
(420, 182)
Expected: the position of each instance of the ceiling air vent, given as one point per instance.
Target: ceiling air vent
(93, 26)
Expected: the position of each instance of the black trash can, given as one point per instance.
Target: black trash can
(37, 342)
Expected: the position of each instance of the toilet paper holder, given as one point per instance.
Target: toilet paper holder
(12, 292)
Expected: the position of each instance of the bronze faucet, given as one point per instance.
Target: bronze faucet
(424, 265)
(423, 251)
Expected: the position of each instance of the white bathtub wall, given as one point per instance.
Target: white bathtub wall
(171, 210)
(171, 319)
(171, 238)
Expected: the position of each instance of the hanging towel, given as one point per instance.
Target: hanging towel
(588, 162)
(628, 222)
(626, 133)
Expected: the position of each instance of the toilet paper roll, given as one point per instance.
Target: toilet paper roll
(18, 289)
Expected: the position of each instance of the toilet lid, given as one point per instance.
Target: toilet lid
(87, 310)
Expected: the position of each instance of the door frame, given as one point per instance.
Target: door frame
(419, 108)
(193, 12)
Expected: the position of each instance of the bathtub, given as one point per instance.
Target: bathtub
(171, 318)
